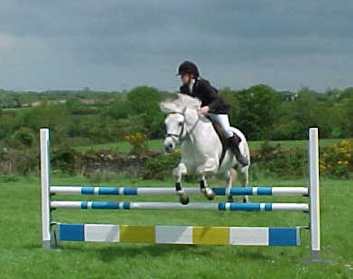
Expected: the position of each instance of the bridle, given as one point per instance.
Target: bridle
(180, 135)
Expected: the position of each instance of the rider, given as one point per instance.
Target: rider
(212, 104)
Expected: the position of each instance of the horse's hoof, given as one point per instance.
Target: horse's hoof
(183, 198)
(209, 194)
(230, 199)
(245, 199)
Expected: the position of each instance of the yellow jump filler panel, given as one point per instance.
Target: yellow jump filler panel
(210, 235)
(137, 234)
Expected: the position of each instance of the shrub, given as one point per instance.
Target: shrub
(337, 160)
(277, 160)
(64, 159)
(138, 142)
(161, 166)
(23, 136)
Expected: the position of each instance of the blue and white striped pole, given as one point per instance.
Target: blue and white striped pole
(223, 206)
(137, 191)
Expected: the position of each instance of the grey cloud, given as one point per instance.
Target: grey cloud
(113, 44)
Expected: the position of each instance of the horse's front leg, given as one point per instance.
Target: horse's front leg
(178, 173)
(205, 189)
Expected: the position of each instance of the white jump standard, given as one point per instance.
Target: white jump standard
(263, 236)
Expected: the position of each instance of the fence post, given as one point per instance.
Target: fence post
(45, 195)
(314, 192)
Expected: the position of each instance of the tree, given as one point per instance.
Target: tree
(232, 100)
(258, 111)
(145, 101)
(348, 116)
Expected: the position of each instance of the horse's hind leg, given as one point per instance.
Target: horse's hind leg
(205, 189)
(231, 176)
(245, 181)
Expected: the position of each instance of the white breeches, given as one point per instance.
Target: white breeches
(223, 120)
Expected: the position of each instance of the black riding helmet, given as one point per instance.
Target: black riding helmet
(188, 67)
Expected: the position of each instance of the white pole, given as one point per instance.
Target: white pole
(44, 170)
(314, 192)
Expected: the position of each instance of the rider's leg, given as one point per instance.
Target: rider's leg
(232, 139)
(223, 120)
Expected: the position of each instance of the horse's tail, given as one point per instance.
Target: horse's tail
(244, 147)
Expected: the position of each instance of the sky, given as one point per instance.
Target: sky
(117, 45)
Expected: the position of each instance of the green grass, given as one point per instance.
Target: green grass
(21, 255)
(157, 144)
(121, 146)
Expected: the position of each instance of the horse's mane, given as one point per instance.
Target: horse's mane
(179, 103)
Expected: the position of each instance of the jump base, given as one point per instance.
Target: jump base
(197, 235)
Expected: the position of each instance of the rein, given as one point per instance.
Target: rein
(182, 128)
(187, 133)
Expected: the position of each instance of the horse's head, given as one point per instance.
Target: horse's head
(176, 120)
(175, 130)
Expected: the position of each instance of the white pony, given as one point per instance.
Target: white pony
(201, 147)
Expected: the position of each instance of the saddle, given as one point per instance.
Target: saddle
(220, 132)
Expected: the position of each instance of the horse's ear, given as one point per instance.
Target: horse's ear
(163, 107)
(167, 106)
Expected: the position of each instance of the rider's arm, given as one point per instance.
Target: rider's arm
(184, 89)
(211, 94)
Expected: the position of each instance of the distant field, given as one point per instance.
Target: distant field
(125, 147)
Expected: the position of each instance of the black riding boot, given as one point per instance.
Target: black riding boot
(233, 143)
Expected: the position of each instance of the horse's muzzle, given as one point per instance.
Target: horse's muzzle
(169, 145)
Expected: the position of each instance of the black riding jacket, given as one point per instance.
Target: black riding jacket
(208, 95)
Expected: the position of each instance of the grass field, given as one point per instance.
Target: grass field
(21, 255)
(125, 147)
